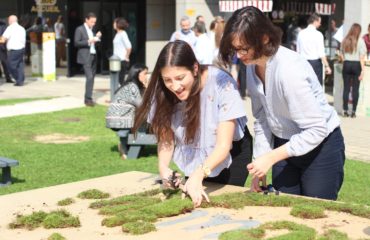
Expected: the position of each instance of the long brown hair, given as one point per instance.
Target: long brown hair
(349, 43)
(174, 54)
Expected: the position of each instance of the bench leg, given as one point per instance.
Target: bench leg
(7, 179)
(133, 152)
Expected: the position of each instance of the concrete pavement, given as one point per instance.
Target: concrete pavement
(356, 131)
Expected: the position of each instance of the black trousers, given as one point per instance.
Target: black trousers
(351, 71)
(318, 173)
(317, 67)
(90, 70)
(241, 154)
(124, 69)
(16, 65)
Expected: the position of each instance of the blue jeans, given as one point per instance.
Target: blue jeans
(318, 173)
(123, 138)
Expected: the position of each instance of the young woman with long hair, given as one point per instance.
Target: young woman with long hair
(199, 120)
(353, 54)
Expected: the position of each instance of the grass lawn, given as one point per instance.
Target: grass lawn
(44, 165)
(4, 102)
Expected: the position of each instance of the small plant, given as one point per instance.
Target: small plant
(139, 227)
(308, 211)
(54, 219)
(56, 236)
(65, 202)
(93, 194)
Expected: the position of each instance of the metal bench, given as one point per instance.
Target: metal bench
(136, 144)
(6, 164)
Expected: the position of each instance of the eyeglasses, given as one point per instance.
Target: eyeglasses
(242, 51)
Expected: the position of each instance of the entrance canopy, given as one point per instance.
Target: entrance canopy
(231, 6)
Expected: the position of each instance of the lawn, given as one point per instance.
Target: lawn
(44, 165)
(4, 102)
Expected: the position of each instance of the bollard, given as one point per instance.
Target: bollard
(114, 69)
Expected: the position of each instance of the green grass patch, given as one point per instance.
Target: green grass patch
(332, 234)
(308, 211)
(296, 232)
(54, 219)
(65, 163)
(56, 236)
(93, 194)
(65, 202)
(21, 100)
(137, 228)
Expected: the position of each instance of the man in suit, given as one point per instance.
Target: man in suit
(85, 40)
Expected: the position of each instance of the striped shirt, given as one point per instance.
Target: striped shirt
(292, 107)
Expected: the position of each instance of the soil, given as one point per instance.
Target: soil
(59, 138)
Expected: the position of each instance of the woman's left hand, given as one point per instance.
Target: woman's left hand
(194, 188)
(260, 166)
(361, 76)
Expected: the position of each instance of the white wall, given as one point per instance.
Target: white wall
(356, 11)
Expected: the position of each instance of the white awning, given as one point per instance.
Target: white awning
(325, 9)
(231, 6)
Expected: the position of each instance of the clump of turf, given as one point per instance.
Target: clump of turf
(29, 222)
(65, 202)
(139, 227)
(54, 219)
(93, 194)
(56, 236)
(332, 234)
(60, 219)
(308, 211)
(296, 231)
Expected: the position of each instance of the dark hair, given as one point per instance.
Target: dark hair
(121, 23)
(250, 25)
(133, 76)
(349, 43)
(90, 15)
(313, 17)
(212, 25)
(174, 54)
(199, 26)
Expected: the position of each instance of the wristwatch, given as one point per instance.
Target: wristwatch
(206, 170)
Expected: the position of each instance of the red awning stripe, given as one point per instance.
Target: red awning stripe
(231, 6)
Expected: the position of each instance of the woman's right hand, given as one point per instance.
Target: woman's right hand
(167, 176)
(255, 184)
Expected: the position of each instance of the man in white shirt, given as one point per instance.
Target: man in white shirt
(310, 44)
(185, 33)
(203, 47)
(15, 37)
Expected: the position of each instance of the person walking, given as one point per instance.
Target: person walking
(121, 48)
(15, 38)
(199, 120)
(185, 33)
(297, 132)
(353, 54)
(85, 40)
(310, 44)
(203, 48)
(367, 41)
(60, 40)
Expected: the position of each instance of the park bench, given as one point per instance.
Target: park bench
(135, 144)
(6, 164)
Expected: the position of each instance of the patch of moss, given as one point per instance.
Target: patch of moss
(60, 219)
(56, 236)
(65, 202)
(332, 234)
(93, 194)
(308, 211)
(129, 216)
(296, 232)
(137, 202)
(54, 219)
(139, 227)
(29, 222)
